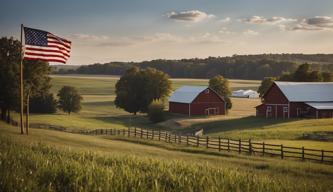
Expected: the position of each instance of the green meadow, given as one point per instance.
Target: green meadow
(99, 111)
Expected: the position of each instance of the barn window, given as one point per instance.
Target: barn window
(269, 108)
(285, 109)
(207, 91)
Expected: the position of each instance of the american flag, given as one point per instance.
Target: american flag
(42, 45)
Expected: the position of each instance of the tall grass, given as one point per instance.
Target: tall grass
(39, 167)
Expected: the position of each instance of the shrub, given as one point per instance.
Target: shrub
(43, 104)
(156, 111)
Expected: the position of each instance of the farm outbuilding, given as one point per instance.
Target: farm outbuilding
(196, 100)
(245, 94)
(297, 99)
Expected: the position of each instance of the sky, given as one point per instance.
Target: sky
(137, 30)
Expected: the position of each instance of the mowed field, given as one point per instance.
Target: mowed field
(99, 112)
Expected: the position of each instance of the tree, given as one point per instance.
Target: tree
(327, 76)
(35, 74)
(266, 83)
(9, 75)
(156, 111)
(43, 104)
(221, 86)
(302, 73)
(137, 88)
(69, 99)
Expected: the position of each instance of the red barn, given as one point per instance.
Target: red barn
(297, 99)
(196, 100)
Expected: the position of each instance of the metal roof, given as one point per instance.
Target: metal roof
(186, 94)
(307, 91)
(323, 105)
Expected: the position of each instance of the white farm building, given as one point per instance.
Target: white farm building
(245, 94)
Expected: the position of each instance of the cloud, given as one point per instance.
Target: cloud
(90, 37)
(314, 24)
(192, 15)
(250, 32)
(226, 20)
(224, 30)
(262, 20)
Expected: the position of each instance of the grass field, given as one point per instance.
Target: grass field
(49, 160)
(99, 112)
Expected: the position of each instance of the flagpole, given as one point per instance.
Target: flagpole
(21, 81)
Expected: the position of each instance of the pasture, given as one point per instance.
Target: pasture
(99, 112)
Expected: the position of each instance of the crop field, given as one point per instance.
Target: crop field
(49, 160)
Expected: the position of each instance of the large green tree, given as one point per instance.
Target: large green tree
(69, 99)
(35, 73)
(221, 86)
(137, 88)
(266, 83)
(9, 79)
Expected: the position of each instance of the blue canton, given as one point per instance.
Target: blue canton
(35, 37)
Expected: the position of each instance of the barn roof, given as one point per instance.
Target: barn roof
(307, 91)
(186, 94)
(322, 105)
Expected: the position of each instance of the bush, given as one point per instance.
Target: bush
(156, 111)
(43, 104)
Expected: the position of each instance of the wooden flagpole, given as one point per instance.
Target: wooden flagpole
(21, 81)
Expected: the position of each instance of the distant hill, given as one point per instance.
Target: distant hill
(236, 66)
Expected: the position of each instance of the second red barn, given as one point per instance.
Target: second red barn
(196, 100)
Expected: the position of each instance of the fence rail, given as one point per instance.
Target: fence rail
(248, 147)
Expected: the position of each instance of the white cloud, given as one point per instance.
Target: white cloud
(250, 32)
(226, 20)
(224, 30)
(192, 15)
(90, 37)
(314, 23)
(262, 20)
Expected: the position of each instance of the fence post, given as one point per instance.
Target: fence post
(322, 156)
(175, 138)
(169, 138)
(219, 143)
(239, 146)
(186, 139)
(147, 132)
(180, 139)
(129, 132)
(303, 153)
(165, 137)
(141, 133)
(134, 131)
(228, 145)
(207, 142)
(197, 141)
(159, 135)
(281, 151)
(250, 147)
(263, 148)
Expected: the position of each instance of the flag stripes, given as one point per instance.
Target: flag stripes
(42, 45)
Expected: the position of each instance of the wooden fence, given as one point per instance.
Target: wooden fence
(248, 147)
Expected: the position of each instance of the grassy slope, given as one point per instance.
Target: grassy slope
(56, 160)
(288, 132)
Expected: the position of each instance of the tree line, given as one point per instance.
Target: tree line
(236, 67)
